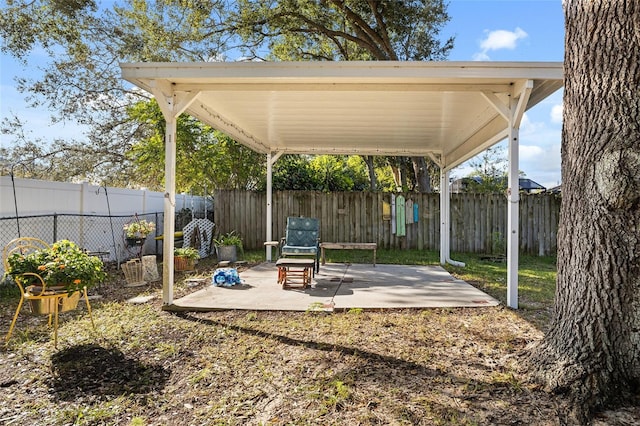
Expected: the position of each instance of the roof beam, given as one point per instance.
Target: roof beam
(436, 158)
(521, 91)
(342, 87)
(219, 122)
(320, 150)
(343, 70)
(490, 134)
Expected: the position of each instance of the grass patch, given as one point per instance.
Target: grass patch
(536, 282)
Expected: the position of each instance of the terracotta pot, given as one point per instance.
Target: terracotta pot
(181, 263)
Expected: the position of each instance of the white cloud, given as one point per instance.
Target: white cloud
(499, 39)
(542, 164)
(556, 114)
(502, 39)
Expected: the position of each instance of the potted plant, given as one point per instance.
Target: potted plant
(227, 246)
(136, 232)
(62, 268)
(184, 258)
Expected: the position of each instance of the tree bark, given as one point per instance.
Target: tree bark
(592, 349)
(373, 182)
(421, 172)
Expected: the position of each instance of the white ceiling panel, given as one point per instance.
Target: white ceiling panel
(372, 108)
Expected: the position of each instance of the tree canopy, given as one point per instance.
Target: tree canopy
(343, 30)
(81, 81)
(206, 158)
(324, 173)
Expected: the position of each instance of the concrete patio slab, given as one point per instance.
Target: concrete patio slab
(340, 287)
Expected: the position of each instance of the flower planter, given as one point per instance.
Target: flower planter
(181, 263)
(134, 242)
(35, 289)
(227, 253)
(66, 302)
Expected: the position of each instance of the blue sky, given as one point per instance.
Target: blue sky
(517, 30)
(488, 30)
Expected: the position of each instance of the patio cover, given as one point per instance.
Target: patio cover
(449, 111)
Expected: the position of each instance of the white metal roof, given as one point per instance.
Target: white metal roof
(450, 110)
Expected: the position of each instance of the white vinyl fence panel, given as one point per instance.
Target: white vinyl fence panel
(91, 216)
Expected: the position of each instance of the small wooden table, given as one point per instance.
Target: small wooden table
(349, 246)
(295, 272)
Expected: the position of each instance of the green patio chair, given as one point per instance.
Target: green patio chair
(302, 238)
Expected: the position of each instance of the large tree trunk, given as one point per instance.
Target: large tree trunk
(421, 172)
(592, 349)
(373, 182)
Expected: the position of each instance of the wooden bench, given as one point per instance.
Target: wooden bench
(295, 272)
(349, 246)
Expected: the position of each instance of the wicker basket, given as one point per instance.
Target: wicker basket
(133, 273)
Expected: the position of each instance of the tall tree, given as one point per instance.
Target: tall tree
(592, 349)
(206, 158)
(347, 30)
(81, 83)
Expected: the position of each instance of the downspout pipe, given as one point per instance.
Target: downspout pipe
(445, 221)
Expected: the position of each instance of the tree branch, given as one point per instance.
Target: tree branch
(364, 29)
(363, 42)
(382, 32)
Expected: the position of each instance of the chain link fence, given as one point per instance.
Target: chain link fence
(101, 235)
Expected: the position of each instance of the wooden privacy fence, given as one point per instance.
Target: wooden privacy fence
(478, 221)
